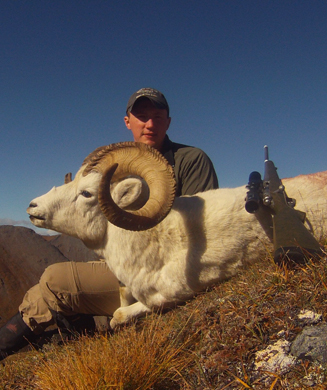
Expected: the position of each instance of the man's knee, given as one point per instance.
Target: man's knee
(56, 277)
(55, 283)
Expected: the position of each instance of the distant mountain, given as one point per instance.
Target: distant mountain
(71, 247)
(24, 255)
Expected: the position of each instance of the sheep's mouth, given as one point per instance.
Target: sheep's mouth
(36, 218)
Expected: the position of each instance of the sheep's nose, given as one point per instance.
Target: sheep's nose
(32, 204)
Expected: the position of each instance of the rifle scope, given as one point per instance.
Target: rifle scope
(252, 200)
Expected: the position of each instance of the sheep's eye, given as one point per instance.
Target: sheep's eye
(86, 194)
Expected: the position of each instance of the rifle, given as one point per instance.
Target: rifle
(292, 240)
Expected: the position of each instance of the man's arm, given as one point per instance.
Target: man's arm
(196, 173)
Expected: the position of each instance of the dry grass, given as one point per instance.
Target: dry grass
(136, 359)
(207, 344)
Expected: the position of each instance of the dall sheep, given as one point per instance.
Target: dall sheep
(165, 256)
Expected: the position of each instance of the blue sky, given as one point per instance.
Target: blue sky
(237, 75)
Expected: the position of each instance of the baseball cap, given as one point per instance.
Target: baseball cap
(156, 97)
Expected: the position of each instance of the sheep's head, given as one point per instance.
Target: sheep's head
(116, 161)
(129, 184)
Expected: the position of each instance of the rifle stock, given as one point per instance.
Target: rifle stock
(292, 240)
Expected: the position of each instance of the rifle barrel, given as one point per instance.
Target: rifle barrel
(266, 152)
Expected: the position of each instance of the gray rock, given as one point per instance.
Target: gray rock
(24, 255)
(311, 344)
(73, 248)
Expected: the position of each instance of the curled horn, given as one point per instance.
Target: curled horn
(117, 161)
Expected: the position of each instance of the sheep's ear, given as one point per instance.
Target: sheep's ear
(130, 194)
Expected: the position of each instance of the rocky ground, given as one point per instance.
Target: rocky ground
(24, 255)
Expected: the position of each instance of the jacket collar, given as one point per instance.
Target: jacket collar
(167, 151)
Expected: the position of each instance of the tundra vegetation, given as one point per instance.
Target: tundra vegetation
(208, 343)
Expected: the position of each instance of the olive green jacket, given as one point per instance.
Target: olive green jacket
(194, 171)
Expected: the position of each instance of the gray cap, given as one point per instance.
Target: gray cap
(156, 97)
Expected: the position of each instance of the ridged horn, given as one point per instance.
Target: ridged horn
(117, 161)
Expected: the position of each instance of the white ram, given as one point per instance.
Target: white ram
(204, 238)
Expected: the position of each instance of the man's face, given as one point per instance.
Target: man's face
(148, 123)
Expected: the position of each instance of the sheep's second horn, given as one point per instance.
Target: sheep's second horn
(117, 161)
(68, 178)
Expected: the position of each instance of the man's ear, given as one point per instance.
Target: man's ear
(126, 120)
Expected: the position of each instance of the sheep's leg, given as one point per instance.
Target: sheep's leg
(126, 314)
(126, 296)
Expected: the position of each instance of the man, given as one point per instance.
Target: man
(147, 116)
(70, 294)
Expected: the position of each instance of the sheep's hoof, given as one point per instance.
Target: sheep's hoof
(118, 318)
(114, 323)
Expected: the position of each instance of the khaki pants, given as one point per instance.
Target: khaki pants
(70, 288)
